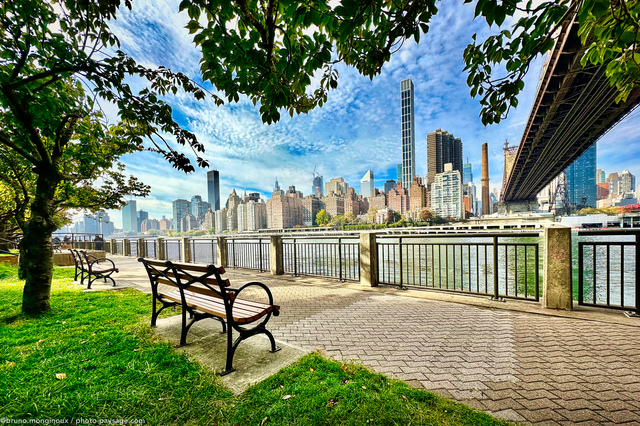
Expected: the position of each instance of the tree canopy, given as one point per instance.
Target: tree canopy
(271, 50)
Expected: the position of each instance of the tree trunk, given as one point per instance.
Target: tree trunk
(36, 252)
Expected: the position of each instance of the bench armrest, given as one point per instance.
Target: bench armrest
(96, 260)
(252, 284)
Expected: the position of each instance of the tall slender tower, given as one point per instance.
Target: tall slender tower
(213, 189)
(408, 133)
(485, 180)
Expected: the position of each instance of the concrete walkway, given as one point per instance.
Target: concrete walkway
(503, 358)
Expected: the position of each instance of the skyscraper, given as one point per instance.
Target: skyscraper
(446, 193)
(181, 208)
(399, 173)
(141, 216)
(443, 148)
(581, 180)
(601, 177)
(367, 184)
(129, 218)
(627, 182)
(318, 184)
(213, 189)
(408, 133)
(467, 173)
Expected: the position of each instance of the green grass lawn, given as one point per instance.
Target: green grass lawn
(93, 356)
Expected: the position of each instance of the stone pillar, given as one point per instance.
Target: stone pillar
(276, 255)
(186, 249)
(142, 248)
(557, 292)
(114, 246)
(223, 254)
(107, 247)
(160, 254)
(126, 247)
(368, 259)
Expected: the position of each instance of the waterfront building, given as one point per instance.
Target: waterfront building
(417, 195)
(581, 180)
(129, 217)
(389, 185)
(232, 220)
(311, 205)
(384, 216)
(213, 189)
(334, 205)
(443, 148)
(318, 184)
(336, 186)
(467, 173)
(367, 184)
(189, 223)
(602, 191)
(141, 216)
(378, 202)
(220, 220)
(199, 207)
(209, 220)
(149, 224)
(601, 177)
(181, 208)
(469, 199)
(627, 182)
(252, 216)
(408, 132)
(398, 199)
(284, 212)
(613, 180)
(446, 193)
(165, 224)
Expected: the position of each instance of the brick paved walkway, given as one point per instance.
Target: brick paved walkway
(517, 366)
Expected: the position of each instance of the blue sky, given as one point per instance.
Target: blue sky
(356, 130)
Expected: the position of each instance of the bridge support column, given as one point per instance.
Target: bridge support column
(557, 291)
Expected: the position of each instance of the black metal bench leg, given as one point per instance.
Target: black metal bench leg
(231, 350)
(274, 348)
(184, 329)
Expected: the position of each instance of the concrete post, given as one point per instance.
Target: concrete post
(557, 290)
(142, 248)
(368, 259)
(186, 249)
(160, 254)
(126, 247)
(114, 246)
(276, 255)
(222, 252)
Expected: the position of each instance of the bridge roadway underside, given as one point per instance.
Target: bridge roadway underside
(574, 107)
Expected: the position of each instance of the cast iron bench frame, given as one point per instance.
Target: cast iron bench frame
(204, 294)
(86, 264)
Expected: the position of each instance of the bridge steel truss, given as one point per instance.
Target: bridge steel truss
(574, 107)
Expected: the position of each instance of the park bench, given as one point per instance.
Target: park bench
(92, 268)
(203, 293)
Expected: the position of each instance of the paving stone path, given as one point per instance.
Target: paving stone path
(521, 367)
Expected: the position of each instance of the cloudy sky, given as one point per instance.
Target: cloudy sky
(356, 130)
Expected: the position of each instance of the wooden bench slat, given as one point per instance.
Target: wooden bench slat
(186, 266)
(216, 307)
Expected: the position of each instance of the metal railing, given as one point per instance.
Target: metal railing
(608, 273)
(173, 250)
(204, 250)
(501, 265)
(324, 257)
(151, 248)
(133, 247)
(119, 248)
(249, 253)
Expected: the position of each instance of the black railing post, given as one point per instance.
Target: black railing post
(295, 259)
(581, 273)
(495, 269)
(260, 253)
(637, 312)
(340, 258)
(400, 258)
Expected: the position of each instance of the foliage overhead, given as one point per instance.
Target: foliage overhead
(283, 54)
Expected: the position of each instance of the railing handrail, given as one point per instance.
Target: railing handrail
(621, 231)
(508, 234)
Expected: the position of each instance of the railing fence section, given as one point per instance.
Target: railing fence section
(204, 250)
(507, 269)
(608, 273)
(249, 253)
(173, 250)
(325, 257)
(151, 248)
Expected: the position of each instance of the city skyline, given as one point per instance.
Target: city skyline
(360, 117)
